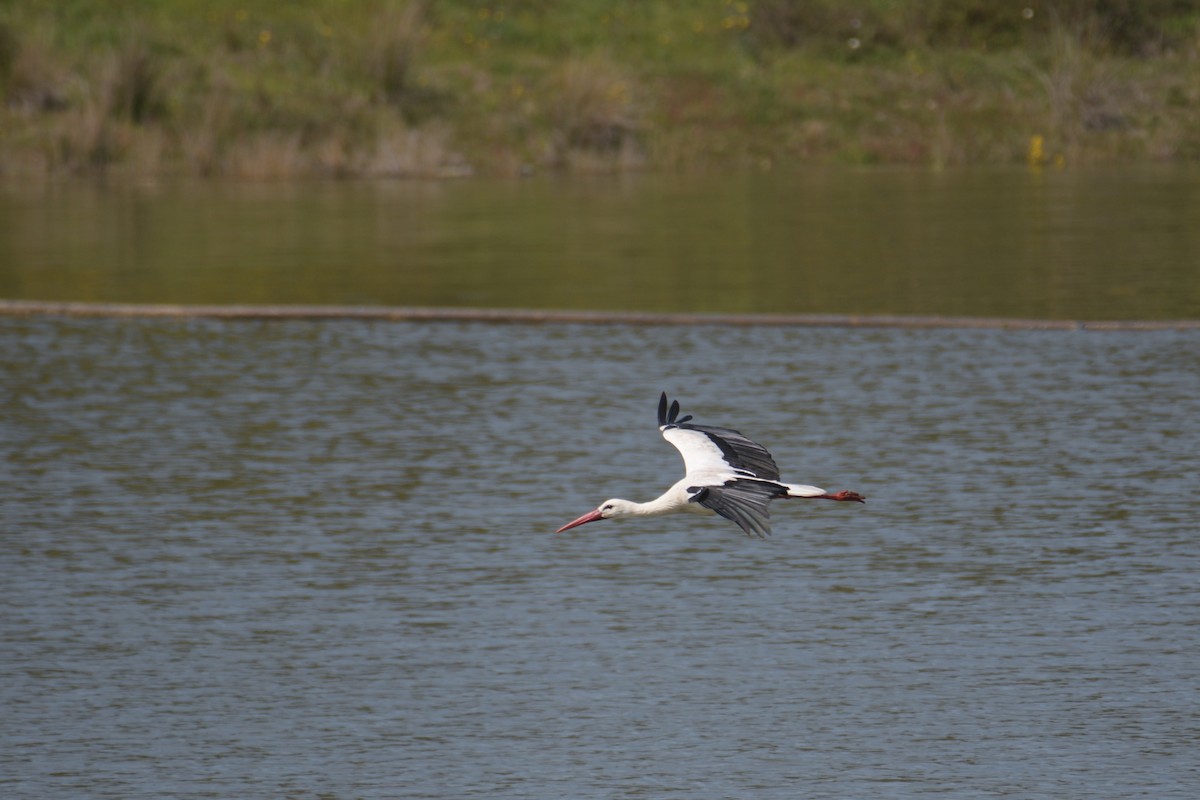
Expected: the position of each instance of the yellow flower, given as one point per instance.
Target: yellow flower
(1037, 150)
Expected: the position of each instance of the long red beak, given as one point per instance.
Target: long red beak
(591, 516)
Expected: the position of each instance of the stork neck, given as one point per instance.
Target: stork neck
(664, 504)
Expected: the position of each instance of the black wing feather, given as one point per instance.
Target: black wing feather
(670, 416)
(743, 502)
(741, 453)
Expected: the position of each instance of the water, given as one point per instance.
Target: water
(314, 560)
(1079, 244)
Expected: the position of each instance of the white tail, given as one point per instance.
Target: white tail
(799, 490)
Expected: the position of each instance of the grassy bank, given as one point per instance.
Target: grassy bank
(283, 88)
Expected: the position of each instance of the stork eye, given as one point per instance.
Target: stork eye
(606, 507)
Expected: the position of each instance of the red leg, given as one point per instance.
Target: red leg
(845, 496)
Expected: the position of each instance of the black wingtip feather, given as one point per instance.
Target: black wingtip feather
(669, 415)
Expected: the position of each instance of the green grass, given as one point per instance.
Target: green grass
(333, 87)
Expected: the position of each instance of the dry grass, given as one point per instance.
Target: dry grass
(403, 152)
(392, 48)
(34, 80)
(595, 122)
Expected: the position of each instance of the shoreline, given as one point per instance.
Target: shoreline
(43, 308)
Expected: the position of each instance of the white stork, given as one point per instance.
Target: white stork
(727, 474)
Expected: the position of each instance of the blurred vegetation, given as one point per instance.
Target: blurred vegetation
(283, 88)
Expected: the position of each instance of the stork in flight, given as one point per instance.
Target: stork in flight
(727, 474)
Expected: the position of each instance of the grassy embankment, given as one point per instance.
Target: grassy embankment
(282, 88)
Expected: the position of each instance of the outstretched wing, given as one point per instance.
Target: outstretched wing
(744, 502)
(707, 449)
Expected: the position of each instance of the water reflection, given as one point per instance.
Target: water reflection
(1104, 244)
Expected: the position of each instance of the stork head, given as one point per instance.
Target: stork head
(609, 509)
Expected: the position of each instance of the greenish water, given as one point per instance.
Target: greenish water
(1117, 243)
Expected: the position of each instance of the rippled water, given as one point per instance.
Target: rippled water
(314, 560)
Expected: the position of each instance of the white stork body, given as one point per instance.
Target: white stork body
(726, 474)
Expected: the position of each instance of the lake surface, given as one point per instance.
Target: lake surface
(1115, 243)
(314, 560)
